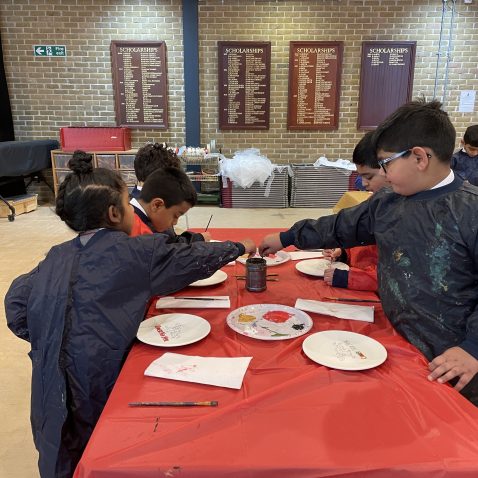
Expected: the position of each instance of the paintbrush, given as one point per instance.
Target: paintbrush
(346, 299)
(267, 275)
(273, 279)
(209, 222)
(212, 403)
(199, 298)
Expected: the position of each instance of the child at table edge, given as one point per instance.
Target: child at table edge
(150, 158)
(465, 161)
(166, 195)
(426, 234)
(80, 308)
(362, 274)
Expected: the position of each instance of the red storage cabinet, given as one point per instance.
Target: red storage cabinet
(95, 138)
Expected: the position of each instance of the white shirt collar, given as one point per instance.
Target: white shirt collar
(134, 202)
(87, 235)
(449, 179)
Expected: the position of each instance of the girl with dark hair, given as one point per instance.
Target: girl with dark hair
(80, 308)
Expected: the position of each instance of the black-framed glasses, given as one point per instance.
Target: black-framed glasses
(383, 162)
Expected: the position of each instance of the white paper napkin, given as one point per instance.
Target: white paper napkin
(299, 255)
(342, 311)
(199, 302)
(219, 371)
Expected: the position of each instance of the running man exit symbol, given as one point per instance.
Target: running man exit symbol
(49, 50)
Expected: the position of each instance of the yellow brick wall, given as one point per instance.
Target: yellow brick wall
(47, 93)
(350, 21)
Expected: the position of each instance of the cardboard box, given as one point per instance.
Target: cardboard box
(22, 204)
(95, 138)
(351, 198)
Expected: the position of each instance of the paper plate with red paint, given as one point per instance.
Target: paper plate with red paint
(173, 330)
(269, 321)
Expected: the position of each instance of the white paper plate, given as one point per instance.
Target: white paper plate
(173, 330)
(216, 278)
(316, 267)
(344, 350)
(279, 258)
(269, 321)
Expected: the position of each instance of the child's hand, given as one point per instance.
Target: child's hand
(206, 236)
(332, 254)
(329, 275)
(453, 362)
(270, 244)
(250, 246)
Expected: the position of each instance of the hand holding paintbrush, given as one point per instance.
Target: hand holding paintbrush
(207, 235)
(331, 255)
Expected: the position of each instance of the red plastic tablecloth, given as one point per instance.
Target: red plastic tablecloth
(292, 417)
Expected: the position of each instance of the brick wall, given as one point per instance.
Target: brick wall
(47, 93)
(350, 21)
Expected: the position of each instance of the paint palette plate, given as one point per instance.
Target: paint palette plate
(316, 267)
(279, 258)
(218, 277)
(173, 330)
(269, 321)
(344, 350)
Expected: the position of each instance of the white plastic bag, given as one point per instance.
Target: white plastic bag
(246, 167)
(339, 164)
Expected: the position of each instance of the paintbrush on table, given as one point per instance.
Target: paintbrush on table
(198, 298)
(346, 299)
(211, 403)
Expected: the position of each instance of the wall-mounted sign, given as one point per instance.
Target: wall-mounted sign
(49, 50)
(386, 80)
(244, 84)
(140, 83)
(314, 85)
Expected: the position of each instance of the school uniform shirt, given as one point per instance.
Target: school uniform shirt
(80, 309)
(142, 225)
(465, 166)
(362, 274)
(428, 261)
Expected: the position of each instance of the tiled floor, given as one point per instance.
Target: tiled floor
(24, 243)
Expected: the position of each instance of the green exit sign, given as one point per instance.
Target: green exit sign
(49, 50)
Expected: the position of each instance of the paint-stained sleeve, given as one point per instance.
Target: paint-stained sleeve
(470, 344)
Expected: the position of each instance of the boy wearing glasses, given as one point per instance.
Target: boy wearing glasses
(426, 231)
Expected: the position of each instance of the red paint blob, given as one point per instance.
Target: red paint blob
(277, 316)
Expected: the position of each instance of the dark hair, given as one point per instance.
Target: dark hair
(364, 153)
(417, 124)
(471, 136)
(151, 157)
(85, 194)
(172, 185)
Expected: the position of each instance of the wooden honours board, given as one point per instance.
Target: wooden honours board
(140, 83)
(314, 85)
(386, 80)
(244, 85)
